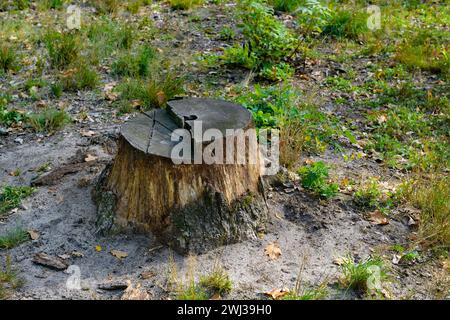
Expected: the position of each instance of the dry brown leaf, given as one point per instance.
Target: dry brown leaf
(119, 254)
(77, 254)
(277, 293)
(89, 158)
(376, 217)
(87, 133)
(273, 251)
(135, 293)
(339, 261)
(34, 235)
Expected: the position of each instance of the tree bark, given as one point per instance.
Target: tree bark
(190, 207)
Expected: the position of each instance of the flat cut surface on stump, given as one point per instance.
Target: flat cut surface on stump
(191, 207)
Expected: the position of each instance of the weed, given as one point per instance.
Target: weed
(51, 4)
(184, 4)
(267, 42)
(11, 197)
(218, 281)
(9, 117)
(8, 279)
(153, 92)
(363, 277)
(13, 238)
(423, 50)
(8, 59)
(63, 48)
(369, 194)
(106, 6)
(315, 178)
(346, 24)
(49, 120)
(286, 5)
(81, 77)
(56, 89)
(431, 197)
(137, 65)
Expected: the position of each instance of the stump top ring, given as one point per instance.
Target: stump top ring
(151, 132)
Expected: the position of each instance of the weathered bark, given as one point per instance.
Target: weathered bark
(191, 207)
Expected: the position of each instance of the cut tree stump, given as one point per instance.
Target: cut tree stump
(190, 207)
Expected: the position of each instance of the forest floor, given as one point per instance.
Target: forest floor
(353, 90)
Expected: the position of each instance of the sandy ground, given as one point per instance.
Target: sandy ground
(311, 234)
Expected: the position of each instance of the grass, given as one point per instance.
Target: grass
(286, 5)
(368, 195)
(8, 59)
(106, 6)
(363, 277)
(11, 197)
(431, 196)
(13, 238)
(153, 92)
(63, 48)
(49, 120)
(10, 117)
(134, 65)
(425, 50)
(351, 24)
(184, 4)
(8, 279)
(217, 282)
(314, 177)
(81, 77)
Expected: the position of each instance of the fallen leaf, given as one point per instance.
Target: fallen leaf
(273, 251)
(339, 261)
(87, 133)
(98, 248)
(34, 235)
(90, 158)
(216, 296)
(119, 254)
(135, 293)
(277, 293)
(77, 254)
(376, 217)
(147, 275)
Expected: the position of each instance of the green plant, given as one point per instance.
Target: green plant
(267, 41)
(9, 117)
(51, 4)
(307, 293)
(227, 33)
(192, 292)
(363, 277)
(11, 197)
(8, 279)
(286, 5)
(63, 48)
(312, 16)
(8, 59)
(425, 50)
(49, 120)
(81, 77)
(56, 89)
(137, 65)
(346, 24)
(277, 72)
(369, 194)
(218, 281)
(106, 6)
(315, 178)
(153, 92)
(184, 4)
(431, 197)
(13, 238)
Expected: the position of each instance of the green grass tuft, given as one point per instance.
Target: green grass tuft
(11, 197)
(13, 238)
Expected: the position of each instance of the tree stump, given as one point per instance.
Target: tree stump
(191, 207)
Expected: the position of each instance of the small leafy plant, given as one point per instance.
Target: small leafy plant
(363, 277)
(13, 238)
(49, 120)
(184, 4)
(11, 197)
(218, 281)
(314, 177)
(8, 59)
(63, 48)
